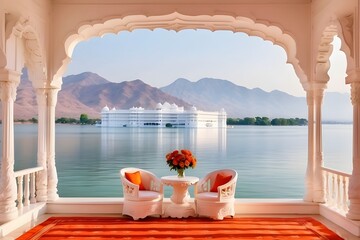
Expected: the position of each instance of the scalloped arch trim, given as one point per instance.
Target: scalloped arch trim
(178, 22)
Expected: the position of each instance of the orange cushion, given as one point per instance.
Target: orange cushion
(135, 178)
(220, 179)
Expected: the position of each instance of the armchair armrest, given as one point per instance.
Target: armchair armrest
(227, 191)
(131, 190)
(156, 185)
(203, 185)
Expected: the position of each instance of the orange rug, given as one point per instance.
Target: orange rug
(191, 228)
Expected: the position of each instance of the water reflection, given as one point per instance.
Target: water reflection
(161, 140)
(271, 161)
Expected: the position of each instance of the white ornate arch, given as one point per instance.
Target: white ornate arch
(177, 22)
(31, 55)
(325, 49)
(343, 29)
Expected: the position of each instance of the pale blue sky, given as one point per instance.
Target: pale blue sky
(160, 57)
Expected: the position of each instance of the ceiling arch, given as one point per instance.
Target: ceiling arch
(178, 22)
(343, 28)
(323, 55)
(33, 57)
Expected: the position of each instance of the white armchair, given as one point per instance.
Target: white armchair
(141, 200)
(215, 194)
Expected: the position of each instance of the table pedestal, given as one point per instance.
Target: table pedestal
(179, 206)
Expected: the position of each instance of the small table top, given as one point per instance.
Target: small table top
(176, 179)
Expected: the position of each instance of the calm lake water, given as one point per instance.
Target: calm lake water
(271, 161)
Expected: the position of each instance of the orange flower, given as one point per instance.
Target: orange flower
(178, 157)
(185, 152)
(194, 162)
(182, 159)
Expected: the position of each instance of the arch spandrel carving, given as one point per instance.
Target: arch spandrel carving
(344, 31)
(20, 31)
(3, 61)
(347, 26)
(324, 51)
(346, 34)
(178, 22)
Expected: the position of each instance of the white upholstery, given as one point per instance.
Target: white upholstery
(216, 205)
(142, 203)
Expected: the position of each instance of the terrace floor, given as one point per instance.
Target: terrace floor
(338, 230)
(111, 207)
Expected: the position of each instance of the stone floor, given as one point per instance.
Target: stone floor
(338, 230)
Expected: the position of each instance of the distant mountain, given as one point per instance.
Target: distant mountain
(213, 94)
(89, 93)
(25, 99)
(120, 95)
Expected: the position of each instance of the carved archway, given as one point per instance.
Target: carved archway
(177, 22)
(325, 49)
(31, 56)
(343, 30)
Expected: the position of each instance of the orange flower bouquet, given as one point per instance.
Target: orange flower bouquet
(180, 160)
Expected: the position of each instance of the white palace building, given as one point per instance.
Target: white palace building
(164, 115)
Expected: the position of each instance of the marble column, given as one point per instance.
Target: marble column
(41, 180)
(309, 180)
(52, 178)
(9, 81)
(354, 184)
(319, 181)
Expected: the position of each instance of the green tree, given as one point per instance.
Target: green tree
(249, 121)
(33, 120)
(84, 118)
(262, 121)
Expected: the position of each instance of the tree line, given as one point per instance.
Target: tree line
(84, 119)
(265, 121)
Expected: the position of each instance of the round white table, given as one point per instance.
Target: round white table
(179, 206)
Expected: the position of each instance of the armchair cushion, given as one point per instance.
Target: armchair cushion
(149, 196)
(135, 178)
(220, 179)
(207, 196)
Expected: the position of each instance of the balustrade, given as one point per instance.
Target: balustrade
(337, 185)
(26, 186)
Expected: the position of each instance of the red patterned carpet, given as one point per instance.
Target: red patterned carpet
(168, 228)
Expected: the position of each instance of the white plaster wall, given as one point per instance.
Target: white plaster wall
(37, 15)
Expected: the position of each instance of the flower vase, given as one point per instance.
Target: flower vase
(181, 172)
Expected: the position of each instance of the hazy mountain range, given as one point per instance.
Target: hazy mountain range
(214, 94)
(89, 93)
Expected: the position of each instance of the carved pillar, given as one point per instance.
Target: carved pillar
(50, 134)
(309, 180)
(354, 184)
(41, 180)
(319, 182)
(2, 39)
(8, 84)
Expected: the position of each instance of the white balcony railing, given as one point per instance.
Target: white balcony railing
(337, 185)
(26, 186)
